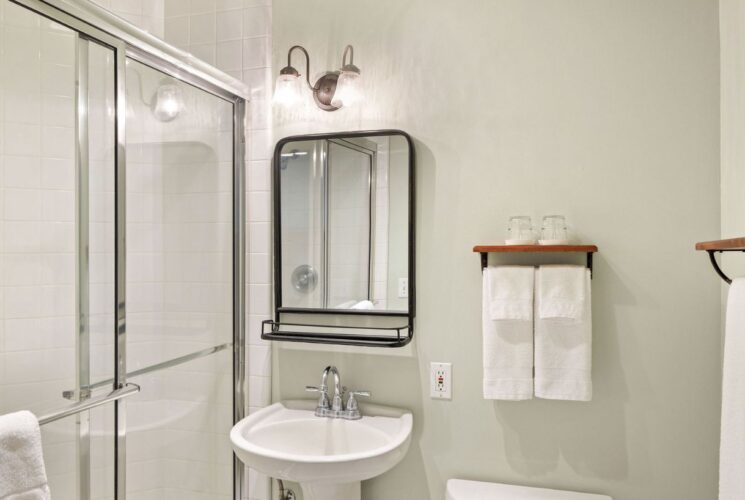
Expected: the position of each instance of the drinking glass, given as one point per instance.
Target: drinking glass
(554, 230)
(520, 230)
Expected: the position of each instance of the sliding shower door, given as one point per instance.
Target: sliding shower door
(350, 211)
(121, 258)
(179, 288)
(57, 150)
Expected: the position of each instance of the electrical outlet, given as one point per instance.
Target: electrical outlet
(441, 381)
(403, 288)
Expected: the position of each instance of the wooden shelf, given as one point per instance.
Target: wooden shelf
(485, 250)
(731, 245)
(534, 248)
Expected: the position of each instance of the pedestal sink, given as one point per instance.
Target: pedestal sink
(329, 457)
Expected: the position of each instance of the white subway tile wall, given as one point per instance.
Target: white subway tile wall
(145, 14)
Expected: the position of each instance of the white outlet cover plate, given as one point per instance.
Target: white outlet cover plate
(441, 380)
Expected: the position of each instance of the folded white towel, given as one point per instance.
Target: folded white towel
(508, 343)
(22, 473)
(364, 305)
(732, 447)
(563, 350)
(510, 292)
(345, 305)
(562, 291)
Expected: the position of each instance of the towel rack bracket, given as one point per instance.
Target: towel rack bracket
(716, 266)
(721, 246)
(485, 250)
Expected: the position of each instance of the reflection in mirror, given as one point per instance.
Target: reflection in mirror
(344, 223)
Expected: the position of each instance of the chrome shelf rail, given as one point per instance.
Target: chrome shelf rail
(88, 404)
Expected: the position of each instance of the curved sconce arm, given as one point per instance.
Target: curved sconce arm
(347, 50)
(307, 62)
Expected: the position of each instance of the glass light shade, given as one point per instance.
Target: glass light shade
(348, 89)
(168, 103)
(288, 90)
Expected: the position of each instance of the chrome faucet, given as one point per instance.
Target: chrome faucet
(335, 408)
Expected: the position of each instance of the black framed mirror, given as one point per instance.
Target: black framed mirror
(344, 239)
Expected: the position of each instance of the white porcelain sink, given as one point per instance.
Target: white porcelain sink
(328, 457)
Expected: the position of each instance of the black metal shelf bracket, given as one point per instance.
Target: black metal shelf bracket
(716, 266)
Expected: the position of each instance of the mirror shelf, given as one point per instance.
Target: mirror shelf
(363, 336)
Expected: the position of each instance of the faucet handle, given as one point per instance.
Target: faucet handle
(352, 402)
(323, 399)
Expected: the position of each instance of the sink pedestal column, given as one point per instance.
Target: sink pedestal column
(332, 491)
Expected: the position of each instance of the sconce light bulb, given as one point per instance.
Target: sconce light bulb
(287, 90)
(348, 88)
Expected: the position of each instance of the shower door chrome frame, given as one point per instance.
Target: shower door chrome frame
(98, 25)
(372, 158)
(82, 276)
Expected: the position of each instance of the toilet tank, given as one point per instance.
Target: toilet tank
(458, 489)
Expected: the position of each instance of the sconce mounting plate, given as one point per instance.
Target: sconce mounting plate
(324, 89)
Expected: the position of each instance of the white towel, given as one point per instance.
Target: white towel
(563, 350)
(562, 292)
(365, 305)
(345, 305)
(22, 474)
(732, 447)
(510, 292)
(508, 343)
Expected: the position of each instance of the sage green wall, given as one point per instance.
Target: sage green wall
(605, 111)
(732, 16)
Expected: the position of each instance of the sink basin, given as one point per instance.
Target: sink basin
(328, 457)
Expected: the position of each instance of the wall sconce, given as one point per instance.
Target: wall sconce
(333, 90)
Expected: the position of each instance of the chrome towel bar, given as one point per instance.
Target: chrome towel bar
(127, 390)
(72, 394)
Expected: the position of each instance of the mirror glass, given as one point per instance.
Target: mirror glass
(344, 223)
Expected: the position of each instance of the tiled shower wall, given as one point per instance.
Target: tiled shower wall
(145, 14)
(235, 36)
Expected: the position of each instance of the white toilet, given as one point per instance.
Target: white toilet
(458, 489)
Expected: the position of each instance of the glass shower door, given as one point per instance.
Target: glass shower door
(84, 310)
(179, 288)
(350, 209)
(56, 240)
